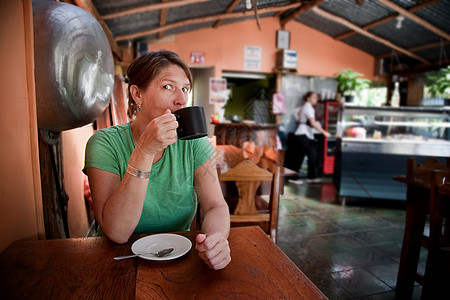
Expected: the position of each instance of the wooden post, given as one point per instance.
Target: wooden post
(53, 193)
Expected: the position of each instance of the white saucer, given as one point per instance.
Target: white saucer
(156, 242)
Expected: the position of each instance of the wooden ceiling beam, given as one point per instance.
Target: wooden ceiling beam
(417, 48)
(162, 19)
(88, 6)
(304, 7)
(415, 18)
(387, 19)
(255, 8)
(223, 16)
(423, 68)
(228, 10)
(372, 36)
(151, 7)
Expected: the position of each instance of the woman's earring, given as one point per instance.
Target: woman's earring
(139, 107)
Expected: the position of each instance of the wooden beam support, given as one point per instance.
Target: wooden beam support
(162, 19)
(255, 8)
(387, 19)
(423, 68)
(151, 7)
(367, 26)
(372, 36)
(415, 18)
(88, 6)
(228, 10)
(235, 15)
(417, 48)
(304, 7)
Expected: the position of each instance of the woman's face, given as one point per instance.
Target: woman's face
(313, 99)
(169, 90)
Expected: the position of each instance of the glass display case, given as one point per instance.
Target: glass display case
(376, 142)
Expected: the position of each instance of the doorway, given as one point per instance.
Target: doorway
(200, 93)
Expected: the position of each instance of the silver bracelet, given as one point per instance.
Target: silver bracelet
(137, 173)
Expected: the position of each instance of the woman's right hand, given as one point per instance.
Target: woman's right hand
(159, 133)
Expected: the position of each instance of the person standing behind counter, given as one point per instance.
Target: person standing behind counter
(143, 179)
(302, 142)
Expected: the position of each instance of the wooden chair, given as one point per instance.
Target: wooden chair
(437, 274)
(247, 177)
(266, 157)
(271, 158)
(422, 183)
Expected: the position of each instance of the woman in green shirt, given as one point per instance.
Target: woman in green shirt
(143, 179)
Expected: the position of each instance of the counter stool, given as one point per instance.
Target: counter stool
(421, 181)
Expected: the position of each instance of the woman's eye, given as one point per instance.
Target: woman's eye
(167, 87)
(185, 90)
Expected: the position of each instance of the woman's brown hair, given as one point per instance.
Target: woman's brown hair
(307, 95)
(145, 68)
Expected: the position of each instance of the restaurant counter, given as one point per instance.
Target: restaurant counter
(237, 133)
(408, 146)
(376, 143)
(365, 168)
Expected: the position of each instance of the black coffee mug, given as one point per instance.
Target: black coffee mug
(191, 123)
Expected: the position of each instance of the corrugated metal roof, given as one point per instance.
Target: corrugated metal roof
(424, 43)
(328, 27)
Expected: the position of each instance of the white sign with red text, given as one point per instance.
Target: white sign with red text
(252, 58)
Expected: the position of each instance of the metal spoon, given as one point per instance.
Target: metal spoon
(160, 253)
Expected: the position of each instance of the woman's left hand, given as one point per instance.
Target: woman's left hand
(213, 249)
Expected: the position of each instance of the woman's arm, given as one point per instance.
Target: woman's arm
(317, 127)
(212, 245)
(118, 203)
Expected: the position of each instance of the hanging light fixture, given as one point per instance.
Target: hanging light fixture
(400, 20)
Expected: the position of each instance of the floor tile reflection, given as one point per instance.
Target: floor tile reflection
(349, 252)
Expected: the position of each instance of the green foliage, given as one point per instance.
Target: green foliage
(439, 83)
(349, 81)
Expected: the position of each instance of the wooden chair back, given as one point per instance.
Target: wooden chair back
(425, 196)
(247, 177)
(271, 158)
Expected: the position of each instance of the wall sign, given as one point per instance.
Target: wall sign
(278, 104)
(283, 39)
(218, 93)
(197, 57)
(252, 58)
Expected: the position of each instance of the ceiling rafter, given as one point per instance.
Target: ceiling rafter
(255, 7)
(366, 33)
(421, 68)
(223, 16)
(151, 7)
(388, 18)
(415, 18)
(228, 10)
(303, 7)
(162, 19)
(418, 48)
(88, 6)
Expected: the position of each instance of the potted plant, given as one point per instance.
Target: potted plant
(349, 82)
(439, 83)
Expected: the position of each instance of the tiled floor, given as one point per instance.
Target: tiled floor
(349, 252)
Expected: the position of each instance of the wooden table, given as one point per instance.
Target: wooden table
(84, 268)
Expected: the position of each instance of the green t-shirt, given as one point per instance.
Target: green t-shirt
(170, 203)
